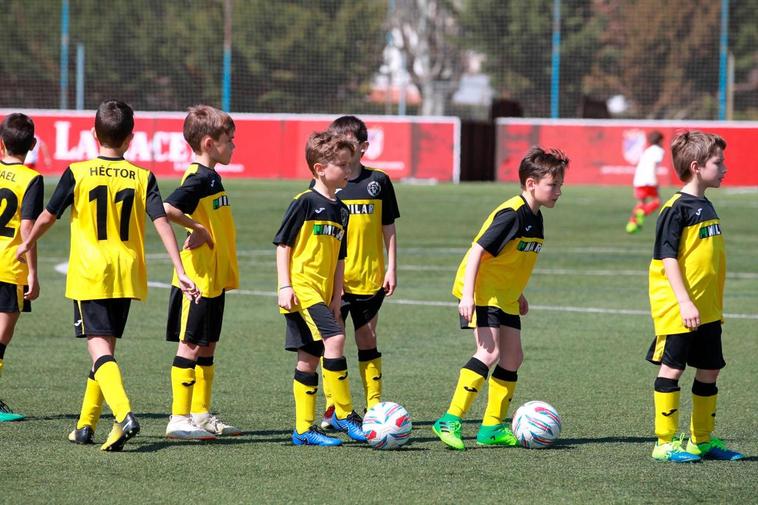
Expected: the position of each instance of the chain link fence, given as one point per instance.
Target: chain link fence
(470, 58)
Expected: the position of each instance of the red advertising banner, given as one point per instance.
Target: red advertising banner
(607, 152)
(267, 145)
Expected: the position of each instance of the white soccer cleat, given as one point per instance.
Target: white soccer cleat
(213, 425)
(182, 428)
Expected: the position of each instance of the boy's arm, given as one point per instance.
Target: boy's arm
(467, 305)
(32, 280)
(199, 236)
(163, 227)
(390, 243)
(688, 310)
(339, 284)
(286, 294)
(41, 225)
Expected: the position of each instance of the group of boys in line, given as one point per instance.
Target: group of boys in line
(330, 261)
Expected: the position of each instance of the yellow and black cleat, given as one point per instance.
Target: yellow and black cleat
(120, 433)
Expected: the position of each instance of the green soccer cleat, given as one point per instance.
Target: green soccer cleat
(7, 415)
(496, 436)
(715, 448)
(673, 452)
(448, 428)
(640, 217)
(632, 227)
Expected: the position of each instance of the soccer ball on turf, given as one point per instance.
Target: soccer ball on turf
(536, 425)
(387, 425)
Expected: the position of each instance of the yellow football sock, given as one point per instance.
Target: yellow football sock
(469, 384)
(304, 388)
(498, 400)
(92, 404)
(325, 388)
(666, 415)
(371, 376)
(703, 420)
(182, 386)
(1, 367)
(108, 376)
(201, 397)
(335, 377)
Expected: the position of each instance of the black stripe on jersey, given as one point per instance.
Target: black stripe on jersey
(686, 211)
(203, 183)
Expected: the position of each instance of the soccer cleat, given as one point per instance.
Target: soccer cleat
(182, 428)
(498, 435)
(639, 217)
(83, 435)
(326, 422)
(213, 425)
(120, 433)
(632, 227)
(673, 452)
(352, 425)
(7, 415)
(715, 448)
(448, 428)
(315, 436)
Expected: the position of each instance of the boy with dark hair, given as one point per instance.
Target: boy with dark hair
(310, 267)
(200, 204)
(490, 282)
(109, 197)
(646, 182)
(370, 197)
(686, 290)
(21, 198)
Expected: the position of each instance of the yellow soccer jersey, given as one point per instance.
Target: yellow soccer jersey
(21, 197)
(202, 197)
(109, 198)
(689, 230)
(315, 228)
(370, 197)
(511, 237)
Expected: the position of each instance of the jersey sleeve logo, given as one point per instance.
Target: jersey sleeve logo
(221, 201)
(709, 231)
(374, 188)
(529, 246)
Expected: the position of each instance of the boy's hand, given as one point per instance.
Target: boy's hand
(335, 308)
(198, 237)
(690, 315)
(390, 282)
(287, 298)
(466, 307)
(523, 305)
(23, 248)
(189, 288)
(32, 291)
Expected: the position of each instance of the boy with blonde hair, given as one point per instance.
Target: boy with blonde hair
(21, 198)
(490, 282)
(310, 264)
(686, 290)
(109, 197)
(200, 204)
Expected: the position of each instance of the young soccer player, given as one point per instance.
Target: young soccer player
(310, 265)
(646, 182)
(686, 301)
(490, 284)
(201, 205)
(370, 196)
(21, 195)
(106, 270)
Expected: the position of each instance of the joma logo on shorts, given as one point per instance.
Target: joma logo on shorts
(529, 246)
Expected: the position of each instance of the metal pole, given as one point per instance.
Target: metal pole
(80, 76)
(723, 57)
(556, 60)
(64, 56)
(226, 78)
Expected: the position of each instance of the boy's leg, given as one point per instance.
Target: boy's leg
(502, 385)
(7, 325)
(92, 407)
(305, 390)
(335, 374)
(180, 425)
(369, 362)
(666, 400)
(702, 442)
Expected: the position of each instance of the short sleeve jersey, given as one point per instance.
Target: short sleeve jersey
(689, 230)
(109, 198)
(511, 237)
(370, 197)
(202, 197)
(21, 197)
(645, 173)
(314, 227)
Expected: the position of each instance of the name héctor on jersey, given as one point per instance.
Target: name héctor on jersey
(126, 173)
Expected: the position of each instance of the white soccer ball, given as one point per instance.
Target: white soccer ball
(536, 425)
(387, 425)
